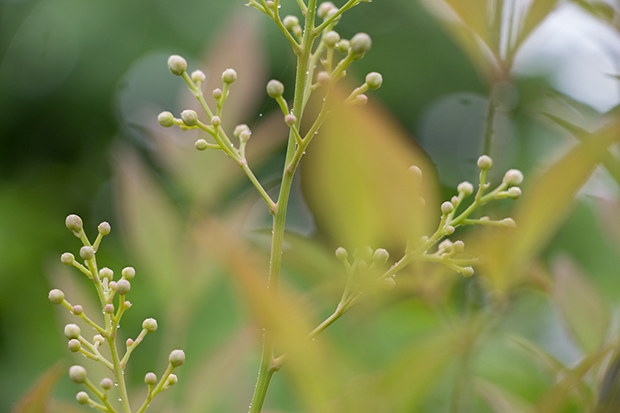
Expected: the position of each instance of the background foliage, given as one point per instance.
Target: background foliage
(80, 86)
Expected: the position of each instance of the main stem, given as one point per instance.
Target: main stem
(279, 218)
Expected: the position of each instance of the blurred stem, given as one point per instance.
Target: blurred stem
(301, 84)
(490, 126)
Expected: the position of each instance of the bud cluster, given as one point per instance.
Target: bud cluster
(107, 289)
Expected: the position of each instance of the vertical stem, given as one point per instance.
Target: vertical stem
(301, 83)
(118, 372)
(490, 126)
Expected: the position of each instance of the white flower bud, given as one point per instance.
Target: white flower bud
(74, 345)
(128, 273)
(77, 374)
(447, 207)
(72, 331)
(198, 76)
(275, 88)
(465, 188)
(374, 80)
(513, 177)
(325, 8)
(485, 163)
(104, 228)
(177, 65)
(201, 144)
(56, 296)
(343, 46)
(514, 192)
(87, 253)
(341, 254)
(360, 44)
(331, 38)
(189, 117)
(82, 397)
(106, 384)
(290, 22)
(150, 379)
(508, 222)
(123, 286)
(216, 121)
(177, 358)
(380, 256)
(290, 119)
(74, 223)
(229, 76)
(150, 324)
(165, 119)
(467, 271)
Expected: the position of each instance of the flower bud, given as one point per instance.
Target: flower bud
(363, 253)
(465, 188)
(325, 8)
(513, 177)
(198, 76)
(74, 223)
(129, 342)
(244, 136)
(514, 192)
(374, 80)
(105, 272)
(72, 331)
(416, 173)
(74, 345)
(112, 285)
(123, 286)
(104, 228)
(82, 397)
(106, 384)
(177, 358)
(447, 207)
(341, 254)
(150, 379)
(87, 253)
(189, 117)
(128, 273)
(77, 310)
(360, 44)
(454, 200)
(290, 22)
(485, 163)
(508, 222)
(459, 246)
(290, 119)
(449, 230)
(201, 144)
(270, 4)
(324, 79)
(108, 309)
(343, 46)
(239, 129)
(165, 119)
(177, 65)
(216, 121)
(445, 246)
(388, 284)
(467, 271)
(361, 99)
(67, 258)
(56, 296)
(331, 38)
(362, 266)
(150, 324)
(229, 76)
(77, 374)
(380, 256)
(217, 93)
(98, 339)
(172, 380)
(127, 304)
(275, 88)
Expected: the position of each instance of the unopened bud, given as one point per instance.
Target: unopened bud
(325, 8)
(513, 177)
(467, 271)
(77, 374)
(87, 253)
(217, 94)
(360, 44)
(150, 379)
(150, 325)
(388, 283)
(72, 331)
(446, 245)
(331, 38)
(290, 22)
(244, 136)
(324, 79)
(485, 163)
(465, 188)
(514, 192)
(177, 65)
(128, 273)
(98, 339)
(177, 358)
(105, 272)
(172, 380)
(416, 173)
(239, 129)
(123, 286)
(459, 246)
(106, 384)
(275, 88)
(77, 310)
(374, 80)
(108, 309)
(74, 345)
(343, 46)
(189, 117)
(449, 230)
(229, 76)
(201, 144)
(447, 207)
(290, 119)
(56, 296)
(341, 254)
(380, 256)
(165, 119)
(82, 397)
(104, 228)
(216, 121)
(129, 342)
(361, 99)
(74, 223)
(67, 258)
(198, 76)
(508, 222)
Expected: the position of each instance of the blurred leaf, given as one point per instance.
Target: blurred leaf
(37, 399)
(582, 308)
(314, 371)
(357, 183)
(68, 407)
(474, 15)
(412, 375)
(500, 400)
(537, 11)
(609, 395)
(540, 356)
(538, 214)
(599, 9)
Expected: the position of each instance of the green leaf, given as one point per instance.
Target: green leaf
(540, 356)
(598, 9)
(501, 400)
(581, 306)
(37, 398)
(537, 11)
(357, 184)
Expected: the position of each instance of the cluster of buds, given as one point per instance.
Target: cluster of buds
(109, 291)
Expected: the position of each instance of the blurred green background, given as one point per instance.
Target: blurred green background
(80, 85)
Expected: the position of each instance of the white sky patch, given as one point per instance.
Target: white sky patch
(579, 53)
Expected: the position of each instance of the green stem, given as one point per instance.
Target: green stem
(301, 83)
(118, 372)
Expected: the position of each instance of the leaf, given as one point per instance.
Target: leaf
(581, 306)
(474, 15)
(541, 210)
(540, 356)
(598, 9)
(37, 398)
(357, 184)
(501, 400)
(415, 371)
(537, 11)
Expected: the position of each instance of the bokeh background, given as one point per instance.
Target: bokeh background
(81, 83)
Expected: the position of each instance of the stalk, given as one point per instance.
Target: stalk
(301, 83)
